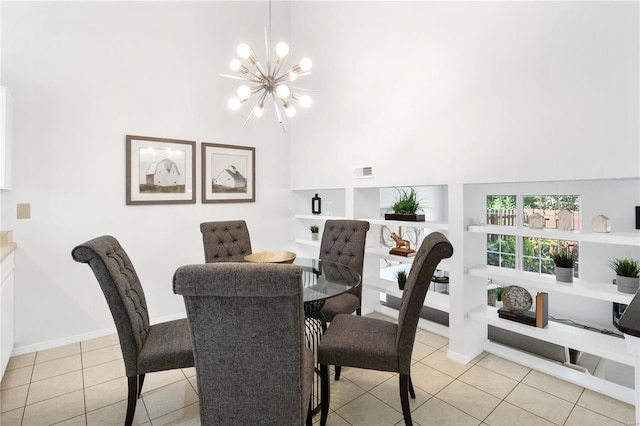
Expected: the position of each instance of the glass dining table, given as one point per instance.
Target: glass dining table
(321, 280)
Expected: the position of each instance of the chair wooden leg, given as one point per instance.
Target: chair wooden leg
(412, 393)
(132, 399)
(324, 393)
(140, 382)
(404, 399)
(338, 370)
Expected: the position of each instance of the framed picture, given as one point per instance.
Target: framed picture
(228, 173)
(160, 171)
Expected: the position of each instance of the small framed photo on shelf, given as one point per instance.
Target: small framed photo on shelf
(160, 171)
(228, 173)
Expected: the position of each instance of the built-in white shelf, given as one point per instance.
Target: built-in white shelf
(383, 252)
(319, 217)
(621, 238)
(599, 344)
(433, 300)
(313, 243)
(438, 226)
(548, 283)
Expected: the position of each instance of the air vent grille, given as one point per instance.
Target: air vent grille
(363, 172)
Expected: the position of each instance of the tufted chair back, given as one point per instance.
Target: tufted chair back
(433, 249)
(247, 327)
(343, 241)
(123, 291)
(225, 241)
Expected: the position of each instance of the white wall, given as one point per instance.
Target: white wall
(84, 75)
(435, 92)
(427, 92)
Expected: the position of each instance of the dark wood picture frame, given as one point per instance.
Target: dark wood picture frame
(160, 170)
(228, 173)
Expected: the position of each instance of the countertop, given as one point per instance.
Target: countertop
(7, 246)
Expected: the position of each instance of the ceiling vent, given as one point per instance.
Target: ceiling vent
(363, 172)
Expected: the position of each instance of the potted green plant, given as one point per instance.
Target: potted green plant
(626, 274)
(406, 207)
(314, 232)
(564, 263)
(401, 276)
(499, 291)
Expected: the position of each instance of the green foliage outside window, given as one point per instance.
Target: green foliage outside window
(501, 251)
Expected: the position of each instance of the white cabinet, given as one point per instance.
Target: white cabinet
(6, 120)
(6, 311)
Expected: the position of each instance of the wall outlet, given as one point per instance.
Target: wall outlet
(24, 211)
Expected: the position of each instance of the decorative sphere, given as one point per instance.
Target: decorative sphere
(516, 299)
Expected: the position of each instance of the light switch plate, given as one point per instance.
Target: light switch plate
(24, 211)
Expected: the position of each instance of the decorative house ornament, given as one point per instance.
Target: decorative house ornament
(601, 223)
(316, 205)
(536, 221)
(565, 220)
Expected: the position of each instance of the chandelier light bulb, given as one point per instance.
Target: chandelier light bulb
(244, 51)
(236, 65)
(290, 110)
(305, 64)
(258, 111)
(244, 92)
(283, 91)
(305, 101)
(282, 49)
(292, 76)
(234, 104)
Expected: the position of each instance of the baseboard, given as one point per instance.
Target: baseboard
(49, 344)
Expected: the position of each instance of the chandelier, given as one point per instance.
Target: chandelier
(274, 81)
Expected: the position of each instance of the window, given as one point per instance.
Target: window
(549, 206)
(501, 251)
(534, 254)
(501, 210)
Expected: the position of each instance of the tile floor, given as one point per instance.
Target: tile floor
(84, 384)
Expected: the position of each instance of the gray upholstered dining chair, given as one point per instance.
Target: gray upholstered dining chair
(247, 327)
(343, 241)
(145, 348)
(377, 344)
(225, 241)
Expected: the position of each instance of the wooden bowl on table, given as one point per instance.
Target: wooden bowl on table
(271, 256)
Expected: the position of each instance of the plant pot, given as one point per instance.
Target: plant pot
(401, 285)
(314, 236)
(404, 217)
(627, 284)
(564, 275)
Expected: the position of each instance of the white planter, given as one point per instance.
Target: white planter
(627, 284)
(314, 236)
(564, 275)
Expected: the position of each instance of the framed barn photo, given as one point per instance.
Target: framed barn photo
(160, 171)
(228, 173)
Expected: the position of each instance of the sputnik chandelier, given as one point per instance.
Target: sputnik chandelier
(274, 81)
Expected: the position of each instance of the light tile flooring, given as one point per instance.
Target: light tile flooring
(84, 384)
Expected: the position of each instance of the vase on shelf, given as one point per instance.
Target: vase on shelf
(627, 284)
(564, 275)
